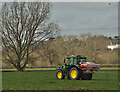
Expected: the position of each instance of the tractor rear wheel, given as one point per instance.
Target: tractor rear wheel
(74, 74)
(86, 76)
(60, 74)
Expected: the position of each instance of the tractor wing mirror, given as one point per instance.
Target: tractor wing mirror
(64, 60)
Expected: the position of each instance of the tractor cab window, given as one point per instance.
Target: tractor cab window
(78, 61)
(70, 61)
(75, 61)
(83, 60)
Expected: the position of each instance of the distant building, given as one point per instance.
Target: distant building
(113, 46)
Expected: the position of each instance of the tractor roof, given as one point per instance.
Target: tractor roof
(78, 56)
(72, 56)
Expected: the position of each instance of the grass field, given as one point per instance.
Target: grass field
(46, 80)
(102, 68)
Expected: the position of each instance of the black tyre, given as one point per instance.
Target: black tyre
(86, 76)
(90, 77)
(60, 74)
(68, 77)
(74, 74)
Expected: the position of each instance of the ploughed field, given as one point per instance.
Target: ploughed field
(46, 80)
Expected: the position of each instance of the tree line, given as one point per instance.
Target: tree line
(52, 52)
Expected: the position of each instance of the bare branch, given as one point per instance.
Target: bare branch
(20, 23)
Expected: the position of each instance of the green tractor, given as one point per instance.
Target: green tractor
(76, 67)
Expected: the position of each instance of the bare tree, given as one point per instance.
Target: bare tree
(51, 55)
(49, 51)
(24, 26)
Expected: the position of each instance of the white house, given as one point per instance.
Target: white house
(113, 46)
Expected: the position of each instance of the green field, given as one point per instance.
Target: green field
(102, 68)
(46, 80)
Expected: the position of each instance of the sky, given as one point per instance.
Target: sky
(75, 18)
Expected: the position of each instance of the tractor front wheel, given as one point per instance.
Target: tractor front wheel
(60, 74)
(74, 74)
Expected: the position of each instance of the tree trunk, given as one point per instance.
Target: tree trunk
(51, 62)
(19, 69)
(26, 61)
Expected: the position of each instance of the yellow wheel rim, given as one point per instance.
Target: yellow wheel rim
(59, 75)
(73, 74)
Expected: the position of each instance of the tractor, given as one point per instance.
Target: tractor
(76, 67)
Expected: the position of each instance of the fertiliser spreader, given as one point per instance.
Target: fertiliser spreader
(76, 67)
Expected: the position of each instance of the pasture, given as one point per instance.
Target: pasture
(46, 80)
(38, 69)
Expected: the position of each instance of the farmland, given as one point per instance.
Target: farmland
(39, 69)
(34, 44)
(46, 80)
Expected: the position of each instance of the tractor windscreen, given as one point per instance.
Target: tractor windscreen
(78, 61)
(81, 59)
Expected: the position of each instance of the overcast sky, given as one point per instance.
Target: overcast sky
(75, 18)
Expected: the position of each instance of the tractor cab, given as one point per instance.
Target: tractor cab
(75, 60)
(71, 60)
